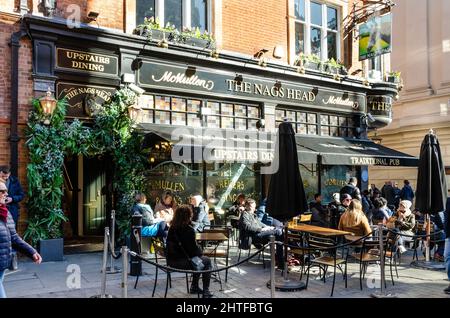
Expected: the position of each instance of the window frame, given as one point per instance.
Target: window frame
(186, 21)
(324, 30)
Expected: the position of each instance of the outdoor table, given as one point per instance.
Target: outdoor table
(324, 231)
(205, 237)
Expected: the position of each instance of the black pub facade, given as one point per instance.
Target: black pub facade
(224, 110)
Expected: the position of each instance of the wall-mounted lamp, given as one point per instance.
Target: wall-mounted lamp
(238, 78)
(277, 85)
(139, 91)
(48, 104)
(278, 52)
(135, 113)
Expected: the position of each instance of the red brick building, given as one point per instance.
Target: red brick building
(321, 103)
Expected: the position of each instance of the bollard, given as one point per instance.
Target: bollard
(272, 266)
(124, 251)
(103, 270)
(136, 227)
(380, 235)
(112, 269)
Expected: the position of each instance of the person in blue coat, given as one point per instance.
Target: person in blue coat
(15, 192)
(9, 239)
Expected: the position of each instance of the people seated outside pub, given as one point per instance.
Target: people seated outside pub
(351, 189)
(319, 212)
(437, 226)
(381, 213)
(200, 219)
(259, 232)
(403, 222)
(407, 192)
(354, 220)
(182, 246)
(238, 206)
(166, 206)
(151, 226)
(264, 217)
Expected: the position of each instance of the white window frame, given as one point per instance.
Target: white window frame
(186, 13)
(323, 29)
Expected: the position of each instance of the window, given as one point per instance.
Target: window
(306, 123)
(316, 29)
(180, 13)
(169, 110)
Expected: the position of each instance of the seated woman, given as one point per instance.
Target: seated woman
(200, 218)
(354, 220)
(403, 222)
(151, 226)
(164, 209)
(181, 247)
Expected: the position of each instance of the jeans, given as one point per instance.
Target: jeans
(2, 290)
(447, 257)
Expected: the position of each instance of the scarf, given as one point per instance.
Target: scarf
(3, 213)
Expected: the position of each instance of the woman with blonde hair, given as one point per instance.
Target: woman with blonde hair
(354, 220)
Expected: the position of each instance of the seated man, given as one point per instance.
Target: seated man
(264, 217)
(151, 226)
(319, 212)
(259, 232)
(200, 218)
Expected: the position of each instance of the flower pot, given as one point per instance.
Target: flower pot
(51, 250)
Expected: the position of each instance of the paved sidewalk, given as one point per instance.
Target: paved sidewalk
(49, 280)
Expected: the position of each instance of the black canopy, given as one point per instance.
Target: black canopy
(431, 194)
(286, 197)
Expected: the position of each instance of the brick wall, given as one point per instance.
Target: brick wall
(249, 26)
(8, 25)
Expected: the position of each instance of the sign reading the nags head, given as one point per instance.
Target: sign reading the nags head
(155, 74)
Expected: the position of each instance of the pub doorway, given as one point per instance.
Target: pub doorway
(86, 203)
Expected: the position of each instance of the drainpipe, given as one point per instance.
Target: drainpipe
(14, 137)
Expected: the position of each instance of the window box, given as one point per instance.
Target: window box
(393, 79)
(198, 42)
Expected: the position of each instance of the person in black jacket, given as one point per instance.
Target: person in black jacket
(9, 238)
(351, 189)
(181, 247)
(15, 192)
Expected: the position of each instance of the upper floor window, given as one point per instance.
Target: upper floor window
(180, 13)
(316, 29)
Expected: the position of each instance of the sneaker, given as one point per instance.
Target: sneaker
(401, 249)
(195, 290)
(447, 290)
(207, 294)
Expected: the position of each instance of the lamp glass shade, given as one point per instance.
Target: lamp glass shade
(135, 113)
(48, 103)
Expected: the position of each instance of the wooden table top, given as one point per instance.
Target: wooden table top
(210, 236)
(324, 231)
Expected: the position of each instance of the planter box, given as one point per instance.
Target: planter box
(197, 42)
(51, 250)
(312, 65)
(393, 79)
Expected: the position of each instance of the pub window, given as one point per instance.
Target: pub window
(180, 13)
(316, 29)
(232, 116)
(306, 123)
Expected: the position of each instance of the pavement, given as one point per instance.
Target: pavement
(79, 276)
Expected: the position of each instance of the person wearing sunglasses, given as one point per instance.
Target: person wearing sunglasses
(10, 239)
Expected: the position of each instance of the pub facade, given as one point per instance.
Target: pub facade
(209, 116)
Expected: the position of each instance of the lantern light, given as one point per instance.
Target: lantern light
(48, 104)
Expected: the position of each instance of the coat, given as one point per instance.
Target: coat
(200, 219)
(188, 249)
(15, 192)
(10, 239)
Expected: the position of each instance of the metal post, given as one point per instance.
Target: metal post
(124, 272)
(427, 244)
(112, 269)
(272, 266)
(136, 227)
(103, 270)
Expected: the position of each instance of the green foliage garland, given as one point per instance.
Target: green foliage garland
(112, 133)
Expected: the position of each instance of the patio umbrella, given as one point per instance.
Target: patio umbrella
(431, 193)
(286, 197)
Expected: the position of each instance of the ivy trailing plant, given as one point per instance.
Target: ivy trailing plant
(111, 134)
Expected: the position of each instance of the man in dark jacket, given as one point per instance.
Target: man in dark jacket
(319, 212)
(253, 228)
(407, 192)
(447, 243)
(15, 192)
(351, 189)
(388, 192)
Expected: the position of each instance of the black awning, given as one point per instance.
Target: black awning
(219, 145)
(355, 152)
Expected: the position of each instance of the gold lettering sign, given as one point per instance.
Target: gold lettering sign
(166, 185)
(369, 161)
(86, 61)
